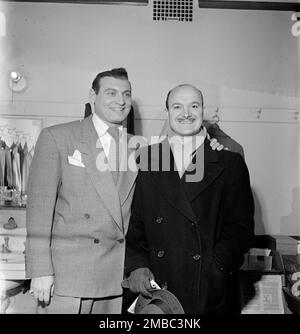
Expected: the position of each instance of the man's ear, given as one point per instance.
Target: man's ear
(92, 96)
(92, 99)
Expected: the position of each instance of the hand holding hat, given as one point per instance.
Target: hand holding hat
(132, 307)
(139, 281)
(152, 299)
(161, 302)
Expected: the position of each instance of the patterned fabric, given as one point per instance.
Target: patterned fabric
(114, 153)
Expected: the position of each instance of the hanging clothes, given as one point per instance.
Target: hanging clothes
(12, 163)
(8, 168)
(22, 155)
(17, 180)
(25, 168)
(2, 162)
(15, 161)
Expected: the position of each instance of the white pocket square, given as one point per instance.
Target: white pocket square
(75, 159)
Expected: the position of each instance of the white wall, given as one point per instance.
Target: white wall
(244, 61)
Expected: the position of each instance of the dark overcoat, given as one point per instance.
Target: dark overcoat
(192, 235)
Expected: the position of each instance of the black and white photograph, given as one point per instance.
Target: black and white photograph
(150, 160)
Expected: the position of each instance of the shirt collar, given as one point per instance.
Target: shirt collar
(101, 127)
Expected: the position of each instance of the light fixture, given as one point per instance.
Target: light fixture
(17, 82)
(15, 76)
(295, 30)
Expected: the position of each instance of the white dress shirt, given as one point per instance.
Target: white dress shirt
(184, 148)
(104, 137)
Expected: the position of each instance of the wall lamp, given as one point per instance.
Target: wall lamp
(17, 82)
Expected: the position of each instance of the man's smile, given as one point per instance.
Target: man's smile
(117, 109)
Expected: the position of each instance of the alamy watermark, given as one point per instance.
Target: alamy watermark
(154, 155)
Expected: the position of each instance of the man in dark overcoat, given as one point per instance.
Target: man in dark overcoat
(192, 214)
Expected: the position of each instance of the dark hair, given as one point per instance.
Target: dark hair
(182, 85)
(117, 73)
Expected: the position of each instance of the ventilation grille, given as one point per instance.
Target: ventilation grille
(173, 10)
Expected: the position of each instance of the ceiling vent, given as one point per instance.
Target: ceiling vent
(173, 10)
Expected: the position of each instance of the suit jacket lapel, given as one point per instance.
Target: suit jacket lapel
(90, 148)
(127, 176)
(211, 171)
(168, 182)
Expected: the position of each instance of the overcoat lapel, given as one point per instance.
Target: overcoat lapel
(91, 149)
(211, 171)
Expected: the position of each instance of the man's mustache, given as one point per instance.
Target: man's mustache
(183, 118)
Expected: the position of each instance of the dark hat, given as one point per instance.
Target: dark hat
(161, 302)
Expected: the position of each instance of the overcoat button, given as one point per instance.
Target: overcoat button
(197, 257)
(121, 241)
(160, 253)
(87, 216)
(159, 220)
(96, 241)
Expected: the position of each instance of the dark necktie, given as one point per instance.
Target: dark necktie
(113, 155)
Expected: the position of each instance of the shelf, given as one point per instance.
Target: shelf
(12, 207)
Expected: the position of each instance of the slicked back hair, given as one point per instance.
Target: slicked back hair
(117, 73)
